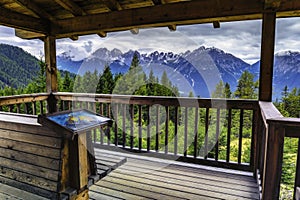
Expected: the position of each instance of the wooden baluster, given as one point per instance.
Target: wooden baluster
(140, 127)
(185, 132)
(124, 126)
(34, 108)
(167, 129)
(157, 129)
(196, 132)
(206, 133)
(18, 108)
(229, 121)
(116, 124)
(217, 135)
(240, 135)
(148, 129)
(176, 131)
(131, 125)
(41, 107)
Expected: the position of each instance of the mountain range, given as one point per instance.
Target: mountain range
(198, 71)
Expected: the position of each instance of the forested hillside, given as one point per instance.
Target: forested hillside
(17, 67)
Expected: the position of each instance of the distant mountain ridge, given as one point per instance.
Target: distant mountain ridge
(194, 70)
(201, 68)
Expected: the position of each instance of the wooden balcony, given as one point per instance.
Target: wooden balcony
(175, 147)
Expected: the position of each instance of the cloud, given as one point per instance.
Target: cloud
(88, 46)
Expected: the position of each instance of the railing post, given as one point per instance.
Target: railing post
(273, 161)
(52, 103)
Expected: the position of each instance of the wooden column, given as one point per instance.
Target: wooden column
(273, 162)
(51, 71)
(267, 56)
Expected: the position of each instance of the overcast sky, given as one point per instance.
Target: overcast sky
(241, 39)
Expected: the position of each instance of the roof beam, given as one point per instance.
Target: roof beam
(71, 6)
(25, 22)
(36, 9)
(113, 5)
(189, 12)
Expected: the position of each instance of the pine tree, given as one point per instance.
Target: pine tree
(227, 90)
(133, 80)
(106, 82)
(246, 88)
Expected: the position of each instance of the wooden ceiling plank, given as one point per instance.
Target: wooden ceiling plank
(165, 14)
(25, 22)
(72, 7)
(113, 5)
(36, 9)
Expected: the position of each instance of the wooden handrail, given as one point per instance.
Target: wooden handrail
(24, 98)
(276, 128)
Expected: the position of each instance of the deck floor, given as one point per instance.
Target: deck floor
(142, 177)
(149, 178)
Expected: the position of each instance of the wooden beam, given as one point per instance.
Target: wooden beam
(102, 34)
(17, 20)
(188, 12)
(216, 24)
(71, 6)
(135, 31)
(267, 56)
(113, 5)
(30, 5)
(172, 27)
(51, 69)
(28, 34)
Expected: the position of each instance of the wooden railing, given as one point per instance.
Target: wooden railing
(274, 128)
(25, 104)
(206, 131)
(237, 134)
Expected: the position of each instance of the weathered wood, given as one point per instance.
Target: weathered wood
(40, 12)
(297, 176)
(49, 163)
(29, 148)
(166, 14)
(267, 56)
(34, 181)
(71, 6)
(30, 138)
(50, 60)
(273, 162)
(12, 193)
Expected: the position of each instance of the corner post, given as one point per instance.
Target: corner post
(273, 161)
(51, 71)
(267, 56)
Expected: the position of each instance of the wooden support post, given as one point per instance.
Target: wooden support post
(267, 56)
(50, 59)
(78, 164)
(51, 71)
(273, 162)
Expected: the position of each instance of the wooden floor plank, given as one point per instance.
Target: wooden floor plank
(212, 176)
(98, 196)
(12, 193)
(169, 186)
(199, 185)
(114, 192)
(136, 188)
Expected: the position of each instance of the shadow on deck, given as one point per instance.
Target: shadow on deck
(151, 178)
